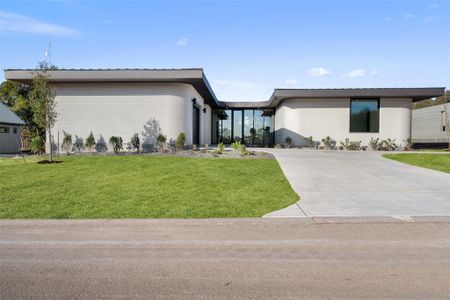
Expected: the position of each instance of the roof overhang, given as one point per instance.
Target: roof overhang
(194, 77)
(416, 94)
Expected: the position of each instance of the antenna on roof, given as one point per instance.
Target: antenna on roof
(48, 53)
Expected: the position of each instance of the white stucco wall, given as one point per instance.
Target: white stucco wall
(301, 118)
(122, 109)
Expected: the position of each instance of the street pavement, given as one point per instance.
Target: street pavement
(320, 258)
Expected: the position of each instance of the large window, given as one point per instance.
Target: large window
(253, 127)
(364, 115)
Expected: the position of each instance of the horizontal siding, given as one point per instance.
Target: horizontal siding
(10, 143)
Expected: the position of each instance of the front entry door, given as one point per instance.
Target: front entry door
(195, 125)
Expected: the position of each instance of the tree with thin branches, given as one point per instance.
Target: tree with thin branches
(43, 103)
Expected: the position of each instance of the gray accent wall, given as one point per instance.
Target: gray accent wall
(427, 124)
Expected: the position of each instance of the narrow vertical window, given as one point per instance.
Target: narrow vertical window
(364, 115)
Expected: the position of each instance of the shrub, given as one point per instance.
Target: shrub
(278, 146)
(78, 144)
(408, 145)
(67, 142)
(116, 143)
(90, 142)
(181, 139)
(351, 145)
(288, 141)
(387, 145)
(236, 145)
(243, 150)
(220, 149)
(37, 145)
(161, 140)
(311, 142)
(329, 143)
(135, 142)
(374, 143)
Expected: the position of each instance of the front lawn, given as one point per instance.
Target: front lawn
(439, 162)
(142, 187)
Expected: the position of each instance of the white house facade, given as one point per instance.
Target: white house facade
(122, 102)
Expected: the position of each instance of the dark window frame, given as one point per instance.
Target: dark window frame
(5, 129)
(350, 118)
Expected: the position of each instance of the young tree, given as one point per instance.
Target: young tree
(90, 142)
(42, 100)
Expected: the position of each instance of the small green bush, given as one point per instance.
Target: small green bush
(329, 143)
(220, 149)
(181, 139)
(117, 143)
(374, 143)
(311, 142)
(387, 145)
(236, 145)
(351, 145)
(288, 141)
(67, 142)
(37, 145)
(90, 142)
(161, 140)
(278, 146)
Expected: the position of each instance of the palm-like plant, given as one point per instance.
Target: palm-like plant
(135, 142)
(67, 142)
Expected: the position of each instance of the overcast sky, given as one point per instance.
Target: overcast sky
(247, 48)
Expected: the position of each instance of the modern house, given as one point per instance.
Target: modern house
(126, 101)
(10, 139)
(430, 125)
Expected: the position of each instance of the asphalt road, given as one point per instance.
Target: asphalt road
(211, 259)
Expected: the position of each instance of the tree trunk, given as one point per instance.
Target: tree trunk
(51, 144)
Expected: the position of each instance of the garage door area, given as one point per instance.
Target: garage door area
(341, 183)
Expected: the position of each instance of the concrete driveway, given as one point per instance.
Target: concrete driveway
(342, 183)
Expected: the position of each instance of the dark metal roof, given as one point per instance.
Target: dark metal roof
(192, 76)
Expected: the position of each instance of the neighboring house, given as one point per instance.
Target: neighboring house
(429, 124)
(122, 101)
(10, 139)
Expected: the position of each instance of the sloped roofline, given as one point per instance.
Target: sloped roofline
(9, 117)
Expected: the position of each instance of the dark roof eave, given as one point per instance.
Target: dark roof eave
(416, 94)
(194, 77)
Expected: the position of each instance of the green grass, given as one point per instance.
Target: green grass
(439, 162)
(142, 187)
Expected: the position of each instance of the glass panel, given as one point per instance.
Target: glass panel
(364, 115)
(237, 125)
(268, 127)
(248, 127)
(259, 127)
(225, 128)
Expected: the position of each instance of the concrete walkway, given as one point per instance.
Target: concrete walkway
(342, 183)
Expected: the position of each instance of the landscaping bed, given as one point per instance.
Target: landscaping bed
(142, 186)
